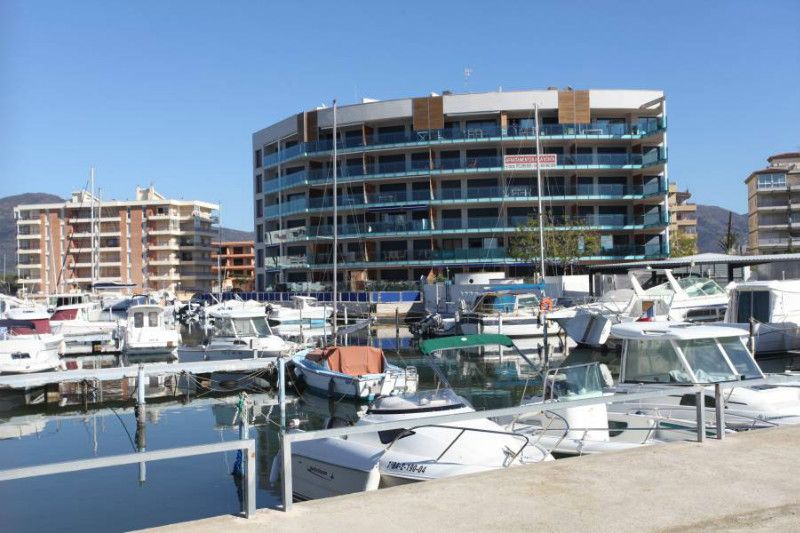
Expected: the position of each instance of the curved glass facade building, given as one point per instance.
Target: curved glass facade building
(440, 183)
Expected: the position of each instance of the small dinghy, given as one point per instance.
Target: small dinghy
(360, 372)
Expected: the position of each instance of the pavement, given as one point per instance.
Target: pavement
(747, 482)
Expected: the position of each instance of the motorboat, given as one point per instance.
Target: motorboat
(360, 372)
(689, 299)
(509, 312)
(581, 429)
(685, 356)
(302, 308)
(81, 321)
(434, 325)
(27, 343)
(237, 333)
(773, 308)
(420, 452)
(147, 334)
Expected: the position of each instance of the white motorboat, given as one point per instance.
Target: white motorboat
(27, 343)
(367, 461)
(80, 321)
(659, 354)
(146, 332)
(585, 429)
(774, 309)
(692, 299)
(513, 313)
(360, 372)
(238, 333)
(305, 318)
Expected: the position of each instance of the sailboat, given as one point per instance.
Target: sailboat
(358, 372)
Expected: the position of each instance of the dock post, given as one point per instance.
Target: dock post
(140, 397)
(719, 404)
(701, 415)
(141, 446)
(250, 481)
(286, 472)
(282, 390)
(397, 325)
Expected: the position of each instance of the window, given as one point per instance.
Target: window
(259, 184)
(259, 208)
(653, 362)
(152, 319)
(753, 304)
(706, 360)
(257, 159)
(771, 181)
(740, 357)
(259, 233)
(138, 320)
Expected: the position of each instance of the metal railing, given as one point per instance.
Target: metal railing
(288, 438)
(248, 448)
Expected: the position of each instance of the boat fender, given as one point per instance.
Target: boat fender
(605, 373)
(62, 348)
(331, 388)
(275, 470)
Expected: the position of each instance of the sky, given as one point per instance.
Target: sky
(170, 93)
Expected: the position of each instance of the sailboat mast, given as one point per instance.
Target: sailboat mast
(92, 230)
(540, 191)
(335, 230)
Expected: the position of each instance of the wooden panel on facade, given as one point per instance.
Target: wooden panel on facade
(312, 127)
(136, 248)
(574, 107)
(427, 113)
(123, 245)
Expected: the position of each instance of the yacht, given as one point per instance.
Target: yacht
(774, 309)
(691, 299)
(368, 461)
(146, 332)
(86, 328)
(360, 372)
(238, 333)
(306, 317)
(659, 354)
(508, 312)
(27, 343)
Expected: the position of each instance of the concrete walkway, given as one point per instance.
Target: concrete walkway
(750, 481)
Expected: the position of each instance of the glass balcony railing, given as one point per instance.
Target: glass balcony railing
(602, 128)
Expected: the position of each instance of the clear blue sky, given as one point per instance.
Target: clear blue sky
(170, 91)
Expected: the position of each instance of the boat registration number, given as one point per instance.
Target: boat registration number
(407, 467)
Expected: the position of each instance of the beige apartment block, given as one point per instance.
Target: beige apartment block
(682, 214)
(236, 261)
(773, 205)
(151, 242)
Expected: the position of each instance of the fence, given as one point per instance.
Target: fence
(373, 297)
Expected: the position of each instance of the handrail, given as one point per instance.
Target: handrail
(247, 446)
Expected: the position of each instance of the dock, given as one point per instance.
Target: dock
(41, 379)
(743, 482)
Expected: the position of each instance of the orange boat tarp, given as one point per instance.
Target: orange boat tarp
(350, 360)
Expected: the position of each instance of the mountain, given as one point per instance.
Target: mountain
(8, 228)
(712, 224)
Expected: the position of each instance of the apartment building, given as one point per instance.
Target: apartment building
(152, 242)
(236, 260)
(773, 205)
(682, 214)
(440, 183)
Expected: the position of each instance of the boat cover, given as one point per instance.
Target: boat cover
(350, 360)
(465, 341)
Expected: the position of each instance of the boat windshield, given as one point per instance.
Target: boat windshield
(242, 327)
(653, 361)
(697, 286)
(574, 382)
(740, 357)
(706, 360)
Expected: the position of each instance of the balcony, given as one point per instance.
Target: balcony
(595, 130)
(471, 165)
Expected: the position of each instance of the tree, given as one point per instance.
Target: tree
(730, 241)
(682, 244)
(566, 241)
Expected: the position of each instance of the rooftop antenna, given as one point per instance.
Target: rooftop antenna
(467, 74)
